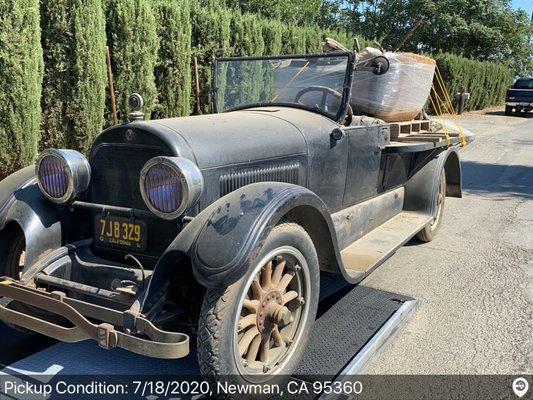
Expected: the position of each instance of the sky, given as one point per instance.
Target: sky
(523, 4)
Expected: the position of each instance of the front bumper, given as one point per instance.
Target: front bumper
(518, 104)
(153, 343)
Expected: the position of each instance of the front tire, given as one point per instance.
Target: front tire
(508, 110)
(258, 328)
(430, 231)
(12, 246)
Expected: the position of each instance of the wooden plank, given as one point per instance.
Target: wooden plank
(451, 134)
(429, 135)
(420, 139)
(406, 128)
(394, 131)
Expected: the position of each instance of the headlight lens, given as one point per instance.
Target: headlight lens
(163, 188)
(62, 175)
(170, 186)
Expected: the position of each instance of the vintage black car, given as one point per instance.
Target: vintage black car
(219, 225)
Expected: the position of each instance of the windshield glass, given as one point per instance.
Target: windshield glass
(312, 82)
(523, 84)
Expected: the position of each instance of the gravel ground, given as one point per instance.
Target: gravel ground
(475, 280)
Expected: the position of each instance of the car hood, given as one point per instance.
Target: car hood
(240, 137)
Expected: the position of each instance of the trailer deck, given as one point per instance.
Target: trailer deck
(354, 323)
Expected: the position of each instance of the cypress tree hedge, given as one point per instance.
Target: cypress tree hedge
(132, 38)
(211, 37)
(21, 72)
(218, 31)
(87, 104)
(272, 31)
(73, 98)
(173, 68)
(151, 42)
(487, 82)
(293, 40)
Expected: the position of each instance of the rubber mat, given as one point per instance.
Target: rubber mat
(347, 320)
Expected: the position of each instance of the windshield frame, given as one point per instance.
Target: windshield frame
(346, 92)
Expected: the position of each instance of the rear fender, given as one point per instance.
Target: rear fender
(22, 202)
(421, 189)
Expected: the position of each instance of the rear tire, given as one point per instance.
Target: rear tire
(430, 230)
(274, 343)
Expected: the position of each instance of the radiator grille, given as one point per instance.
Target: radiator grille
(115, 181)
(115, 175)
(279, 173)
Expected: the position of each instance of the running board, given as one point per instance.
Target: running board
(367, 253)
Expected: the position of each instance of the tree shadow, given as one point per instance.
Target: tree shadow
(498, 180)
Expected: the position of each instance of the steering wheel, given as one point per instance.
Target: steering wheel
(325, 92)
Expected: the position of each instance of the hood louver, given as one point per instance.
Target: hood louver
(289, 173)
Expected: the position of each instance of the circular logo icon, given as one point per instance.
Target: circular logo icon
(129, 135)
(520, 386)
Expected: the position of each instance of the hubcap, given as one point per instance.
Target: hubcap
(272, 313)
(440, 202)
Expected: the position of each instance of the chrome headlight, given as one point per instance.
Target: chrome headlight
(62, 175)
(170, 186)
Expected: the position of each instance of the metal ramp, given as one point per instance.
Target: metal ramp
(354, 323)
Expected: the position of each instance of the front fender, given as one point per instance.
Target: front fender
(22, 202)
(224, 240)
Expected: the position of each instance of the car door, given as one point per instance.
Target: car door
(363, 163)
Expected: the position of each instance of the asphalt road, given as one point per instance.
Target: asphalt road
(475, 280)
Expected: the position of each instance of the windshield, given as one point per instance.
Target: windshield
(523, 84)
(319, 83)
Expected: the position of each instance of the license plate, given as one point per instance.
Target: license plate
(120, 232)
(524, 104)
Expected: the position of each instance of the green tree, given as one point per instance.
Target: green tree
(21, 72)
(211, 38)
(293, 40)
(272, 36)
(73, 98)
(292, 11)
(486, 81)
(487, 30)
(132, 36)
(173, 68)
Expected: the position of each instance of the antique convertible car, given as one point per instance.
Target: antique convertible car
(218, 226)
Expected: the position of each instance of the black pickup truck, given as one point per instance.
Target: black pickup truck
(520, 97)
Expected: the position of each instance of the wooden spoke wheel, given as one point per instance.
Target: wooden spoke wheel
(256, 330)
(271, 312)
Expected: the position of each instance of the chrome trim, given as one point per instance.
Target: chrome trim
(511, 103)
(78, 171)
(191, 177)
